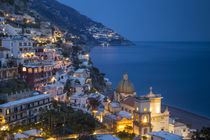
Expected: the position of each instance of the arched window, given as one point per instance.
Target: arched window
(145, 119)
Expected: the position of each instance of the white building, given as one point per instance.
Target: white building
(23, 111)
(82, 73)
(162, 135)
(79, 100)
(56, 91)
(19, 47)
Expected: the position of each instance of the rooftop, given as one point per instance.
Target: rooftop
(129, 101)
(106, 137)
(165, 135)
(80, 71)
(115, 104)
(26, 100)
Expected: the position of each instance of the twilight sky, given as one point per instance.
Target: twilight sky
(150, 20)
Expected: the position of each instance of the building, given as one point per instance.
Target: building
(180, 129)
(20, 48)
(4, 55)
(46, 53)
(37, 74)
(56, 91)
(159, 120)
(121, 121)
(23, 111)
(142, 116)
(82, 73)
(162, 135)
(8, 73)
(79, 100)
(124, 89)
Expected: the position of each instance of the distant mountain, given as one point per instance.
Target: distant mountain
(65, 17)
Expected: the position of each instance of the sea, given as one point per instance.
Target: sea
(180, 72)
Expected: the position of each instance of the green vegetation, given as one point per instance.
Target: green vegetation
(11, 2)
(97, 79)
(12, 86)
(203, 134)
(125, 136)
(61, 121)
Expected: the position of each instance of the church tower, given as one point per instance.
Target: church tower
(159, 120)
(142, 116)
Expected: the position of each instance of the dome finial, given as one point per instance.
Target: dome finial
(151, 93)
(150, 89)
(125, 76)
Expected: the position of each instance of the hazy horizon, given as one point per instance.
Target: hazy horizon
(143, 20)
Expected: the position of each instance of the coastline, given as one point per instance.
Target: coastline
(196, 121)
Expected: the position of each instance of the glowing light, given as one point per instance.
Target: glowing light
(137, 109)
(24, 68)
(157, 110)
(145, 109)
(53, 79)
(145, 119)
(5, 127)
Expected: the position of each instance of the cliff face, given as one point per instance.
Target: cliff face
(14, 6)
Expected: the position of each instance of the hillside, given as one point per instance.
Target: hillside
(65, 17)
(14, 6)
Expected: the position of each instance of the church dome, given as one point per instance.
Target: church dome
(125, 86)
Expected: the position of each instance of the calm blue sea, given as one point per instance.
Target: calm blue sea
(178, 71)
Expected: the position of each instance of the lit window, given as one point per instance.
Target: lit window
(24, 68)
(157, 110)
(7, 111)
(137, 109)
(35, 70)
(145, 109)
(30, 70)
(145, 119)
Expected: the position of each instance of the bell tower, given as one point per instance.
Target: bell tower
(142, 116)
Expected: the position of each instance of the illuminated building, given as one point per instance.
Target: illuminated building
(124, 89)
(159, 120)
(23, 111)
(37, 74)
(20, 48)
(142, 116)
(8, 73)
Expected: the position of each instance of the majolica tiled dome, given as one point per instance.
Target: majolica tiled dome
(125, 86)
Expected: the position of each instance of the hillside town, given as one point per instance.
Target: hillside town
(50, 89)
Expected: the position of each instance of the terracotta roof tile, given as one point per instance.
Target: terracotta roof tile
(129, 101)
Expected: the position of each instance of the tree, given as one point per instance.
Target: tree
(203, 134)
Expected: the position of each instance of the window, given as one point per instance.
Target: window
(35, 70)
(0, 110)
(24, 69)
(145, 120)
(30, 70)
(7, 112)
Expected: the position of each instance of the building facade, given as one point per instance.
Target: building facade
(23, 111)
